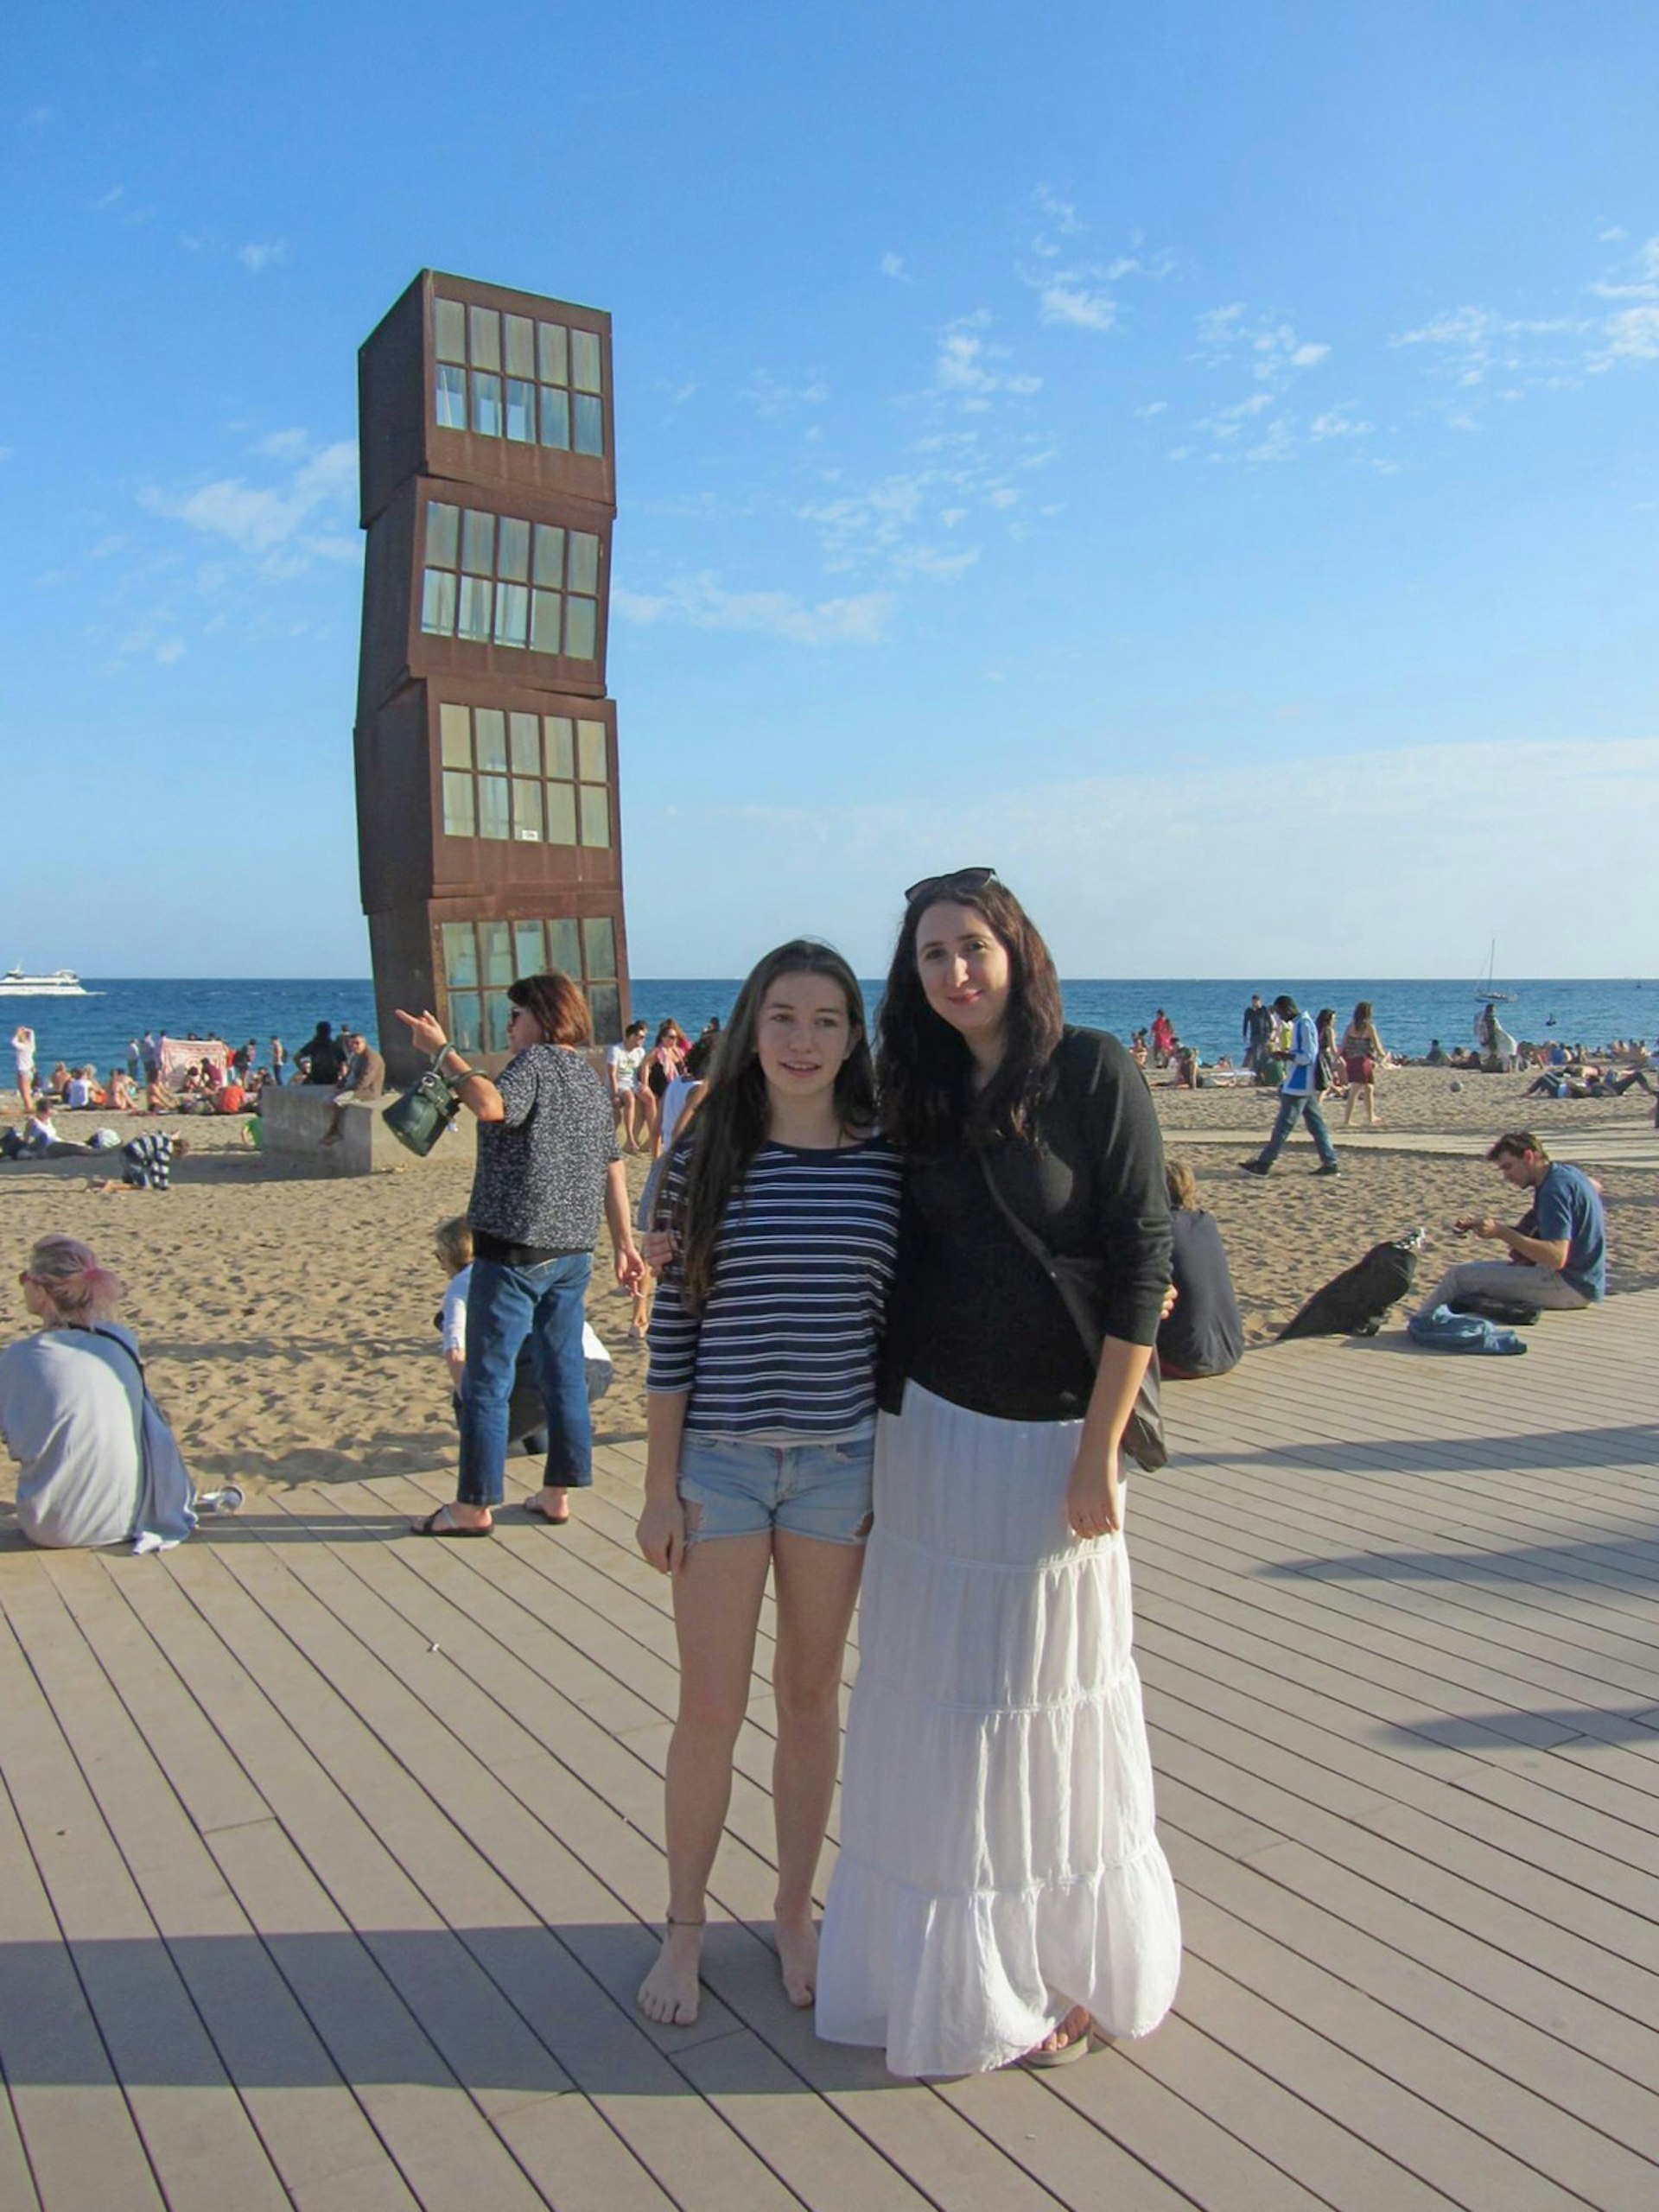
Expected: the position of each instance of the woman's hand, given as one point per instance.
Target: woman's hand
(425, 1031)
(658, 1246)
(661, 1534)
(1093, 1496)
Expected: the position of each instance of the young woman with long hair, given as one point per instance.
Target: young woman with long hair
(1362, 1053)
(999, 1891)
(782, 1201)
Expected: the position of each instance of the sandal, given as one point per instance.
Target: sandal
(1040, 2061)
(443, 1523)
(538, 1512)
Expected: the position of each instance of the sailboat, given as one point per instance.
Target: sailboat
(1485, 992)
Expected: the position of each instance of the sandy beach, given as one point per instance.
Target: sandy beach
(288, 1323)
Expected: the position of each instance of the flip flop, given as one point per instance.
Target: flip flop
(1040, 2061)
(435, 1525)
(540, 1513)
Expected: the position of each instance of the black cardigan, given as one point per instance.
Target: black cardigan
(972, 1316)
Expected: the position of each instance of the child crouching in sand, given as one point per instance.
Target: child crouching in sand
(527, 1417)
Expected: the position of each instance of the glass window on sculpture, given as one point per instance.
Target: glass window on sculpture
(564, 948)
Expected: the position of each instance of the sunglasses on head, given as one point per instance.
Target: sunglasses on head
(960, 882)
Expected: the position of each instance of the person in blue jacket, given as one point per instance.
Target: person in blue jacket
(1299, 1095)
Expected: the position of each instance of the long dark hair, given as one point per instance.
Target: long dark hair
(731, 1123)
(926, 1070)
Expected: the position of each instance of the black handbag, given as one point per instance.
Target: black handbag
(1078, 1282)
(420, 1117)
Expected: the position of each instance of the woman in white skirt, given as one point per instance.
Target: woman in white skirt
(1001, 1894)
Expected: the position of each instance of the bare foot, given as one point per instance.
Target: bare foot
(669, 1993)
(551, 1504)
(797, 1958)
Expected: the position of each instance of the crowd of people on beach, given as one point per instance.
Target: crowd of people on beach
(909, 1298)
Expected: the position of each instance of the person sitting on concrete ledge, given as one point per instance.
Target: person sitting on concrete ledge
(1557, 1250)
(365, 1081)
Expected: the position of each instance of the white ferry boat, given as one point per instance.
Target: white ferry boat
(62, 983)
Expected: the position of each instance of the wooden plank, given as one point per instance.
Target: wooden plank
(479, 1855)
(197, 2134)
(72, 2115)
(313, 2127)
(1515, 2047)
(795, 2152)
(1424, 1933)
(353, 1991)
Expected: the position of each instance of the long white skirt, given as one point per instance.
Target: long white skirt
(998, 1864)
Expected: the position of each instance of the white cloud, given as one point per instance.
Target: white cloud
(1270, 349)
(1442, 875)
(285, 445)
(115, 202)
(262, 254)
(1061, 213)
(884, 527)
(1473, 342)
(1276, 358)
(1334, 425)
(1084, 310)
(705, 604)
(1631, 332)
(893, 264)
(967, 364)
(768, 395)
(1151, 410)
(275, 522)
(1078, 295)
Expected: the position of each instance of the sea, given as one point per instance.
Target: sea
(1208, 1014)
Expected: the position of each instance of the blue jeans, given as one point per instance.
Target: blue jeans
(1308, 1108)
(504, 1305)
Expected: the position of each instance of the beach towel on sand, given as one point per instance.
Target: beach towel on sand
(1444, 1330)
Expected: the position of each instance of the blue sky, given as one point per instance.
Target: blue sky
(1202, 459)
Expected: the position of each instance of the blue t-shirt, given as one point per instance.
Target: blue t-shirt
(1568, 1205)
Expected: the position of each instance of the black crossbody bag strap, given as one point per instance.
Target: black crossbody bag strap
(1143, 1436)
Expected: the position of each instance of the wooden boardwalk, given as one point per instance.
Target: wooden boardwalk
(330, 1858)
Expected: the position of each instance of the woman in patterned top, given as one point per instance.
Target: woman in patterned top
(547, 1166)
(784, 1209)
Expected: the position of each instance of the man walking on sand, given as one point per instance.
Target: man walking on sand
(1299, 1095)
(1558, 1249)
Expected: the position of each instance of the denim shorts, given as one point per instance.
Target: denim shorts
(731, 1488)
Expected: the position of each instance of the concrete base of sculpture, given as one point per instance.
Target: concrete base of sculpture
(294, 1121)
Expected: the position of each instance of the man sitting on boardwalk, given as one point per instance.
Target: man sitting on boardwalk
(1558, 1249)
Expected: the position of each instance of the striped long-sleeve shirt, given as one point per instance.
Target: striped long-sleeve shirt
(149, 1161)
(786, 1342)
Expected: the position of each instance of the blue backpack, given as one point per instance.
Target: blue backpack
(1444, 1330)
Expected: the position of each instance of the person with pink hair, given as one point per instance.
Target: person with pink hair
(97, 1462)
